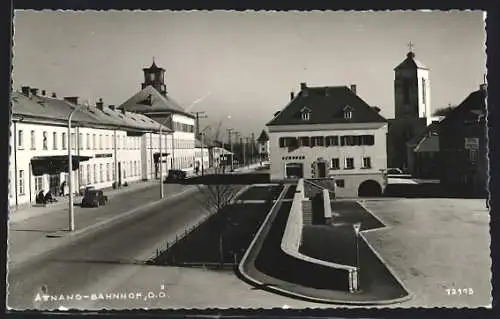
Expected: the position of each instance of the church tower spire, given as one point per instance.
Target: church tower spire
(155, 76)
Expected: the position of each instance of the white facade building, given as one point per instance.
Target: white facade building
(330, 132)
(107, 146)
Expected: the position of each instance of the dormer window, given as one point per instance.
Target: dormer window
(348, 112)
(305, 113)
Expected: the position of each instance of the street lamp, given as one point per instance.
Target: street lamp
(357, 228)
(70, 171)
(160, 160)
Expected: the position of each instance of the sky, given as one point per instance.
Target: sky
(240, 67)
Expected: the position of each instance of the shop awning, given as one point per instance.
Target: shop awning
(156, 156)
(55, 164)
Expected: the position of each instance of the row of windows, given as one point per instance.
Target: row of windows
(346, 140)
(335, 162)
(183, 127)
(92, 141)
(100, 173)
(350, 164)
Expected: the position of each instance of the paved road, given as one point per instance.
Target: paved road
(29, 237)
(92, 263)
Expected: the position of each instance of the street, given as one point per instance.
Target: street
(93, 263)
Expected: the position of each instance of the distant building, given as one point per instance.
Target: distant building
(203, 154)
(462, 141)
(412, 103)
(330, 132)
(423, 153)
(264, 147)
(153, 101)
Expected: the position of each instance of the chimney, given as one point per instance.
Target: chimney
(71, 99)
(112, 107)
(34, 91)
(26, 90)
(100, 104)
(292, 95)
(353, 88)
(303, 88)
(54, 95)
(44, 92)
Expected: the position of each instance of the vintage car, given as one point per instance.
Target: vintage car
(94, 198)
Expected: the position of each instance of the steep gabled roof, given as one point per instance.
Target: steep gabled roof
(430, 131)
(411, 63)
(150, 100)
(327, 106)
(263, 137)
(472, 106)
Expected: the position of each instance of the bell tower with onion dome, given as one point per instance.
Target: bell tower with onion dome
(155, 76)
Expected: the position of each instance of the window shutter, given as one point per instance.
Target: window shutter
(282, 142)
(321, 140)
(328, 140)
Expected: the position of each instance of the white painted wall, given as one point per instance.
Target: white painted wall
(279, 157)
(184, 145)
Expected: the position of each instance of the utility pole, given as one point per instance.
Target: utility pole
(252, 146)
(238, 140)
(229, 133)
(245, 151)
(199, 115)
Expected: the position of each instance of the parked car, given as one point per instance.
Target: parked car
(94, 198)
(394, 171)
(176, 175)
(85, 189)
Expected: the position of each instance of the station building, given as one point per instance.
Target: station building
(154, 102)
(330, 132)
(109, 146)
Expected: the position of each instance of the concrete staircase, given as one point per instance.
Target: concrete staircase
(306, 212)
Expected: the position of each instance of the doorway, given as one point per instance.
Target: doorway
(321, 169)
(119, 174)
(294, 170)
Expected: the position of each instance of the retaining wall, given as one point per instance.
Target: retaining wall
(345, 276)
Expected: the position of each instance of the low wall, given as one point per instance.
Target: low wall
(345, 275)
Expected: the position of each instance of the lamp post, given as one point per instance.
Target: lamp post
(70, 172)
(357, 228)
(160, 159)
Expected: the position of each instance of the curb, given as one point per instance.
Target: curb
(73, 236)
(61, 205)
(389, 268)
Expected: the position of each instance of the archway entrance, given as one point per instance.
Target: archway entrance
(369, 188)
(294, 170)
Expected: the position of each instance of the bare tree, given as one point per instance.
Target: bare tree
(216, 198)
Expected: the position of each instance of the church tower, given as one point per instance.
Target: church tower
(412, 89)
(155, 77)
